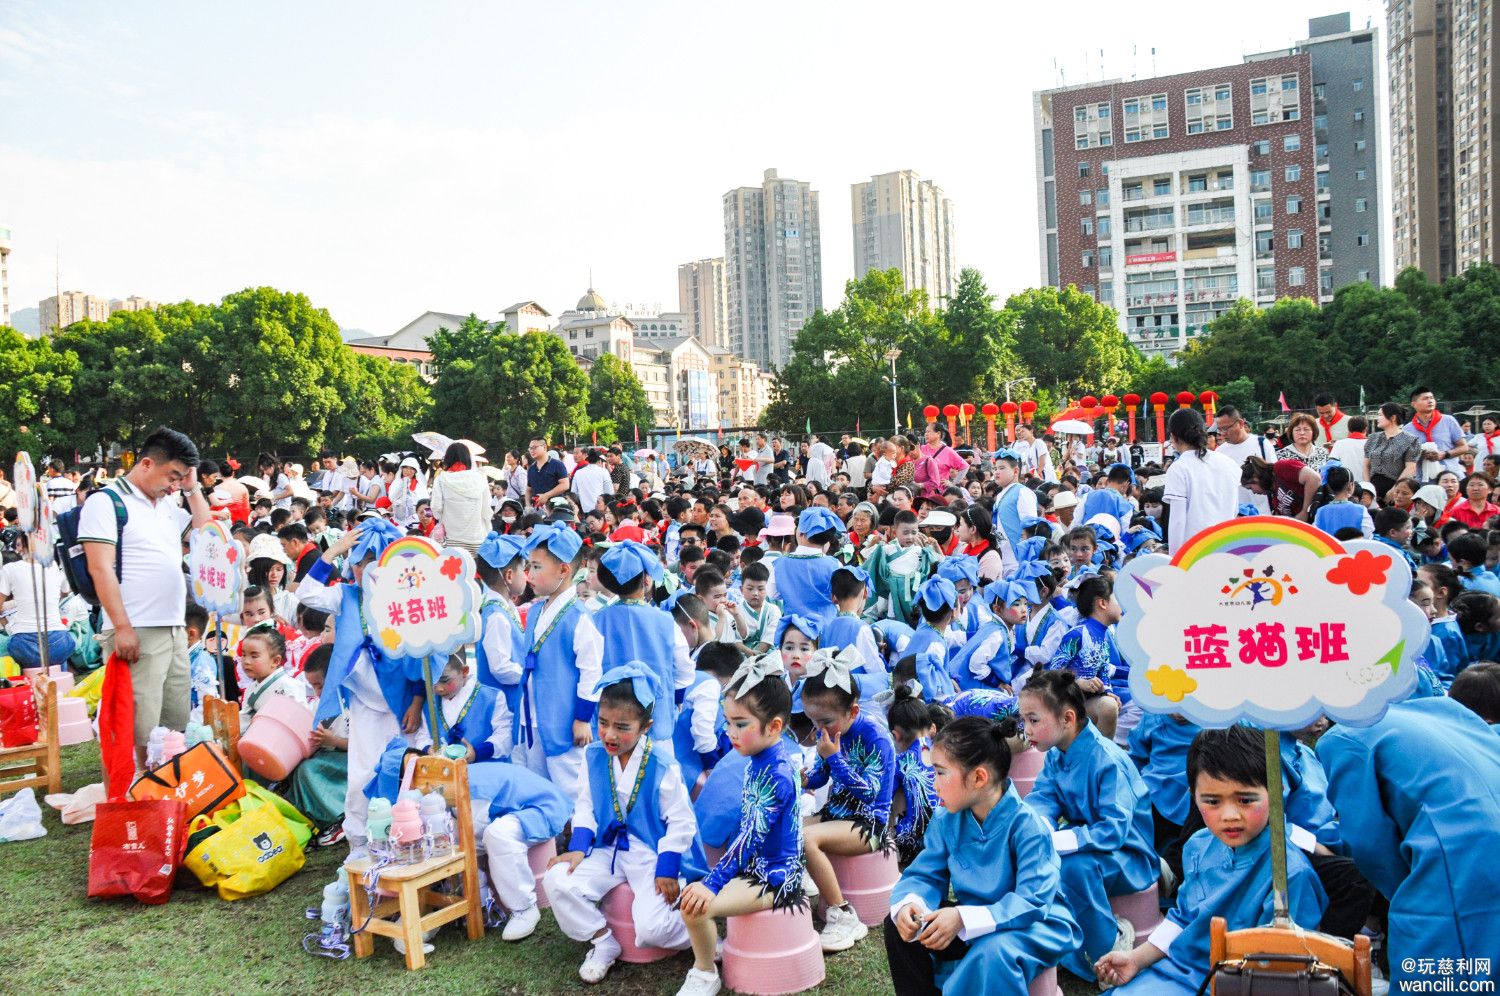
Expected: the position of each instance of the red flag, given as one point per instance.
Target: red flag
(637, 431)
(856, 426)
(596, 437)
(1282, 398)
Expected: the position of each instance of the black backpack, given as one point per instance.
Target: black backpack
(70, 553)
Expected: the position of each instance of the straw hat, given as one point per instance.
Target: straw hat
(268, 547)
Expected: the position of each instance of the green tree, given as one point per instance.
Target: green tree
(389, 402)
(979, 355)
(1069, 342)
(36, 388)
(455, 357)
(505, 389)
(616, 397)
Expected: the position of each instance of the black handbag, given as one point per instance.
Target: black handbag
(1294, 975)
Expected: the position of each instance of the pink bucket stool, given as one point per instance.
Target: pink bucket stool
(1044, 984)
(1024, 768)
(537, 855)
(772, 952)
(866, 881)
(1142, 909)
(59, 674)
(278, 739)
(616, 908)
(73, 726)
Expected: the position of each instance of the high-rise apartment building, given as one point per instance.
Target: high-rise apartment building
(904, 222)
(4, 276)
(1170, 198)
(133, 303)
(1446, 211)
(773, 266)
(702, 297)
(62, 310)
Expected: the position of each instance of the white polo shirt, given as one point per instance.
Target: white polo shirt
(152, 584)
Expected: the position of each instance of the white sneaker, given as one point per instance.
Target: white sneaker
(427, 949)
(522, 923)
(601, 957)
(810, 889)
(700, 984)
(842, 929)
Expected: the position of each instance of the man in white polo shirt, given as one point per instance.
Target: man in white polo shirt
(144, 605)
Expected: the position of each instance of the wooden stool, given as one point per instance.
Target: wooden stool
(224, 719)
(772, 952)
(616, 908)
(413, 883)
(1024, 767)
(866, 880)
(35, 765)
(1351, 959)
(1142, 909)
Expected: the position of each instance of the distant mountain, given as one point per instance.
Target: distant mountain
(351, 334)
(27, 321)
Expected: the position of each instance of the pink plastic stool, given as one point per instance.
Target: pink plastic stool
(537, 855)
(279, 738)
(1044, 984)
(616, 909)
(1142, 909)
(1024, 768)
(866, 881)
(772, 952)
(60, 676)
(73, 726)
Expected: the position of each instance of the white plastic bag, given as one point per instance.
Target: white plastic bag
(21, 817)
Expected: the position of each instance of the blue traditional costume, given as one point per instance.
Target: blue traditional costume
(804, 579)
(914, 782)
(636, 630)
(862, 773)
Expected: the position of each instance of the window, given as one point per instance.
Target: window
(1260, 147)
(1320, 91)
(1260, 179)
(1105, 138)
(1293, 113)
(1360, 204)
(1080, 114)
(1258, 88)
(1325, 282)
(1265, 242)
(1291, 143)
(1083, 170)
(1197, 183)
(1221, 92)
(1296, 276)
(1106, 257)
(1101, 197)
(1359, 145)
(1289, 81)
(1260, 118)
(1362, 239)
(1359, 114)
(1085, 197)
(1294, 238)
(1132, 134)
(1293, 205)
(1320, 122)
(1104, 227)
(1106, 289)
(1359, 85)
(1322, 183)
(1086, 225)
(1160, 131)
(1262, 210)
(1195, 127)
(1265, 280)
(1194, 97)
(1360, 174)
(1364, 275)
(1133, 191)
(1293, 173)
(1161, 186)
(1087, 258)
(1159, 102)
(1132, 108)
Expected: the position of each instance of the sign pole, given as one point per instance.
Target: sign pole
(41, 608)
(1277, 830)
(219, 654)
(432, 706)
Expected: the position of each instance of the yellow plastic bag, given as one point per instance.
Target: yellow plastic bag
(9, 668)
(300, 825)
(254, 851)
(89, 689)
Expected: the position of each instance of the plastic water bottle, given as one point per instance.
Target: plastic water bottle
(336, 904)
(172, 744)
(437, 826)
(406, 830)
(197, 733)
(378, 826)
(154, 744)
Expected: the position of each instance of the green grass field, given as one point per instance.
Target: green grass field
(59, 941)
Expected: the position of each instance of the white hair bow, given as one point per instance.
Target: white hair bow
(755, 670)
(835, 668)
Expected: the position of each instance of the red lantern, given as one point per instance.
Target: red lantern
(1159, 405)
(1185, 399)
(951, 413)
(1028, 408)
(1110, 403)
(1210, 402)
(1132, 402)
(1088, 401)
(989, 411)
(967, 411)
(930, 413)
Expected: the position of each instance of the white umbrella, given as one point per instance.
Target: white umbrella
(692, 447)
(435, 441)
(1072, 427)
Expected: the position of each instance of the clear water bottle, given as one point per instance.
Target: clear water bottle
(378, 826)
(154, 747)
(437, 826)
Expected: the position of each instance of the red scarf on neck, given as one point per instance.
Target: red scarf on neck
(1428, 429)
(978, 549)
(1328, 426)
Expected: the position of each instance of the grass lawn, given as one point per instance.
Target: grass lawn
(62, 942)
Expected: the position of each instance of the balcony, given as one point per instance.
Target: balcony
(1150, 223)
(1211, 216)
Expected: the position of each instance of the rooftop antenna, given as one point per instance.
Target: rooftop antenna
(1133, 54)
(1153, 61)
(1056, 72)
(1101, 65)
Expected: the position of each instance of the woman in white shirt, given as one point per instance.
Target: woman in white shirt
(461, 500)
(1203, 487)
(24, 586)
(409, 487)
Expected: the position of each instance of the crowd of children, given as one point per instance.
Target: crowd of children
(717, 692)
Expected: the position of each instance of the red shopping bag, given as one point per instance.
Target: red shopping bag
(136, 849)
(19, 724)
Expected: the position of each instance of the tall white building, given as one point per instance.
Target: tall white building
(904, 222)
(62, 310)
(701, 296)
(133, 303)
(773, 266)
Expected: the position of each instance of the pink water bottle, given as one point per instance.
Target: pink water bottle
(406, 830)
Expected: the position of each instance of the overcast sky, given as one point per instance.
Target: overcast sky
(387, 159)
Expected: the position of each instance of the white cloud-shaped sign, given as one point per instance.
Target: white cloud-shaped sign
(1269, 620)
(420, 601)
(215, 568)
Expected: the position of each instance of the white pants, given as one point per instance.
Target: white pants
(576, 896)
(510, 873)
(565, 770)
(369, 731)
(1130, 718)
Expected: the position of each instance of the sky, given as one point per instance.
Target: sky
(389, 159)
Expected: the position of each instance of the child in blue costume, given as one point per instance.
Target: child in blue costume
(914, 800)
(1045, 626)
(562, 666)
(972, 613)
(1418, 796)
(937, 600)
(501, 650)
(632, 824)
(1228, 871)
(1445, 590)
(1089, 651)
(466, 718)
(857, 760)
(1159, 747)
(1478, 618)
(1008, 922)
(763, 866)
(525, 810)
(988, 660)
(801, 579)
(796, 640)
(1340, 511)
(383, 695)
(633, 629)
(851, 587)
(700, 740)
(1091, 793)
(1478, 688)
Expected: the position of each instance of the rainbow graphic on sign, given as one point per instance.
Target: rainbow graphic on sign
(409, 546)
(1250, 535)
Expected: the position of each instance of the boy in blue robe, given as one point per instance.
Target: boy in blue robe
(1418, 796)
(466, 718)
(972, 613)
(937, 600)
(1090, 652)
(850, 587)
(1228, 871)
(633, 629)
(501, 650)
(1159, 747)
(988, 659)
(801, 579)
(699, 740)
